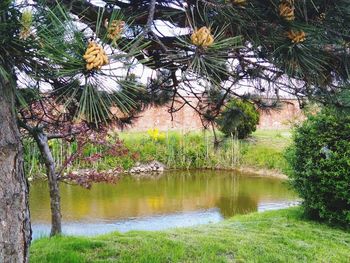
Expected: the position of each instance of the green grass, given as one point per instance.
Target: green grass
(264, 149)
(274, 236)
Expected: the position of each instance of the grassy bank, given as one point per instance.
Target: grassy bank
(275, 236)
(264, 149)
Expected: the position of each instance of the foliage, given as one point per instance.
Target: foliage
(298, 47)
(247, 42)
(257, 237)
(238, 116)
(177, 151)
(85, 149)
(320, 167)
(84, 143)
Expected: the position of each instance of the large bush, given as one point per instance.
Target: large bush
(240, 116)
(320, 166)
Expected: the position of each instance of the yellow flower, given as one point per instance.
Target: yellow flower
(155, 135)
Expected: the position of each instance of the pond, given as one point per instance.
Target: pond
(175, 199)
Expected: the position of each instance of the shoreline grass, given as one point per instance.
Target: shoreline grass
(273, 236)
(178, 150)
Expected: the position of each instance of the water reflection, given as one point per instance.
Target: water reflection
(175, 199)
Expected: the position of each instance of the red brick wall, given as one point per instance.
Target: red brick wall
(187, 119)
(282, 118)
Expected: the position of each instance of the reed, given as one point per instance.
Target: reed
(176, 149)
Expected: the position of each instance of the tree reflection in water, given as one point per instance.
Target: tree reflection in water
(176, 192)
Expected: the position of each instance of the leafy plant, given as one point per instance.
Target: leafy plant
(320, 166)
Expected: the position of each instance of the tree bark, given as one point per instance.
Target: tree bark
(55, 200)
(216, 141)
(15, 231)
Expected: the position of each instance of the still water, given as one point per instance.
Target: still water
(175, 199)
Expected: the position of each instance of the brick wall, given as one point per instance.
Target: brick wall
(283, 118)
(187, 119)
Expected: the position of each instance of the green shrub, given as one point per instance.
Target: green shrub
(240, 115)
(320, 166)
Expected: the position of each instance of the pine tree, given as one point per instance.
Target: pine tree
(46, 45)
(15, 230)
(298, 47)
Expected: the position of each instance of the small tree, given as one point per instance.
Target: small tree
(238, 116)
(43, 121)
(73, 62)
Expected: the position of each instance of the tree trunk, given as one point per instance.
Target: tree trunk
(216, 141)
(15, 231)
(55, 202)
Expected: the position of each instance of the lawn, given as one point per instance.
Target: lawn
(274, 236)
